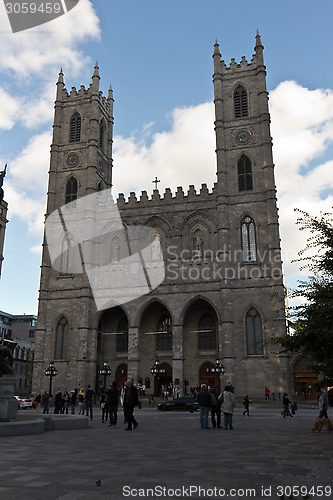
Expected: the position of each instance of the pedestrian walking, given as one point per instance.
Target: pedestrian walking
(286, 402)
(323, 406)
(267, 393)
(58, 403)
(205, 402)
(131, 399)
(215, 410)
(46, 402)
(246, 404)
(65, 405)
(104, 407)
(73, 399)
(228, 406)
(80, 398)
(89, 398)
(112, 401)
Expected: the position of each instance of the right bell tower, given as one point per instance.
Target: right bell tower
(247, 215)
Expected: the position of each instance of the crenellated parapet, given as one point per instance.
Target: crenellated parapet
(192, 195)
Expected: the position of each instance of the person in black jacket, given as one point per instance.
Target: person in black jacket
(205, 401)
(112, 402)
(89, 399)
(131, 399)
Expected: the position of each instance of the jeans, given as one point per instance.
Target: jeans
(204, 417)
(89, 408)
(113, 414)
(46, 406)
(228, 420)
(73, 409)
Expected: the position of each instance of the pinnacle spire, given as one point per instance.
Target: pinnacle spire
(60, 77)
(259, 49)
(258, 42)
(110, 94)
(216, 49)
(96, 70)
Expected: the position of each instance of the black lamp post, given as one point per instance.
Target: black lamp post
(51, 372)
(218, 368)
(156, 370)
(105, 372)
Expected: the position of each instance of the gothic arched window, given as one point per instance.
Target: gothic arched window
(253, 333)
(240, 102)
(75, 128)
(164, 333)
(244, 170)
(61, 339)
(248, 234)
(101, 134)
(198, 244)
(71, 190)
(122, 335)
(207, 332)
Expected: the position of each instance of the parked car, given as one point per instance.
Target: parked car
(24, 403)
(178, 404)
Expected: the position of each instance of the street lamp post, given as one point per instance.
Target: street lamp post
(105, 372)
(51, 372)
(218, 368)
(155, 371)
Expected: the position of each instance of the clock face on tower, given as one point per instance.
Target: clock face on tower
(72, 160)
(243, 136)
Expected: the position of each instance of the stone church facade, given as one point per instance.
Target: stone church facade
(222, 297)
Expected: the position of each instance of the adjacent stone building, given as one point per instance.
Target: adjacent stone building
(222, 296)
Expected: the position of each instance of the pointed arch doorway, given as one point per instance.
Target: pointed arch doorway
(121, 375)
(207, 377)
(165, 379)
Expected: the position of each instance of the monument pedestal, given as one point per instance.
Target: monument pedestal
(8, 402)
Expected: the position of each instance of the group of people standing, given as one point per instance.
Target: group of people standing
(110, 400)
(210, 400)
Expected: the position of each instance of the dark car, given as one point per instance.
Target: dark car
(187, 404)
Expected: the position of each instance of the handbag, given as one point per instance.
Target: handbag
(103, 405)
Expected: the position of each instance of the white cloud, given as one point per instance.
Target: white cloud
(9, 110)
(302, 129)
(29, 169)
(184, 155)
(30, 52)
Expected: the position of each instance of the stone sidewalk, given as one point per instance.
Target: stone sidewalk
(170, 451)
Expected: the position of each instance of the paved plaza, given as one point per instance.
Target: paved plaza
(169, 456)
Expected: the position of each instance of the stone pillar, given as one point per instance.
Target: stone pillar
(133, 353)
(178, 356)
(226, 352)
(8, 402)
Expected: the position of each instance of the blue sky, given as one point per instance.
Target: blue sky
(157, 56)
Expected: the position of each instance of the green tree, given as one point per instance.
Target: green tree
(313, 319)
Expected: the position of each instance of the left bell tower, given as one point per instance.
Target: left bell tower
(80, 164)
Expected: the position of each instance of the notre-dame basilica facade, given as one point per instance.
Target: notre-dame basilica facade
(222, 297)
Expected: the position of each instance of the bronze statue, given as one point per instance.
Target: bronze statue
(2, 176)
(7, 359)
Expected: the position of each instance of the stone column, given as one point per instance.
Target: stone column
(133, 353)
(178, 356)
